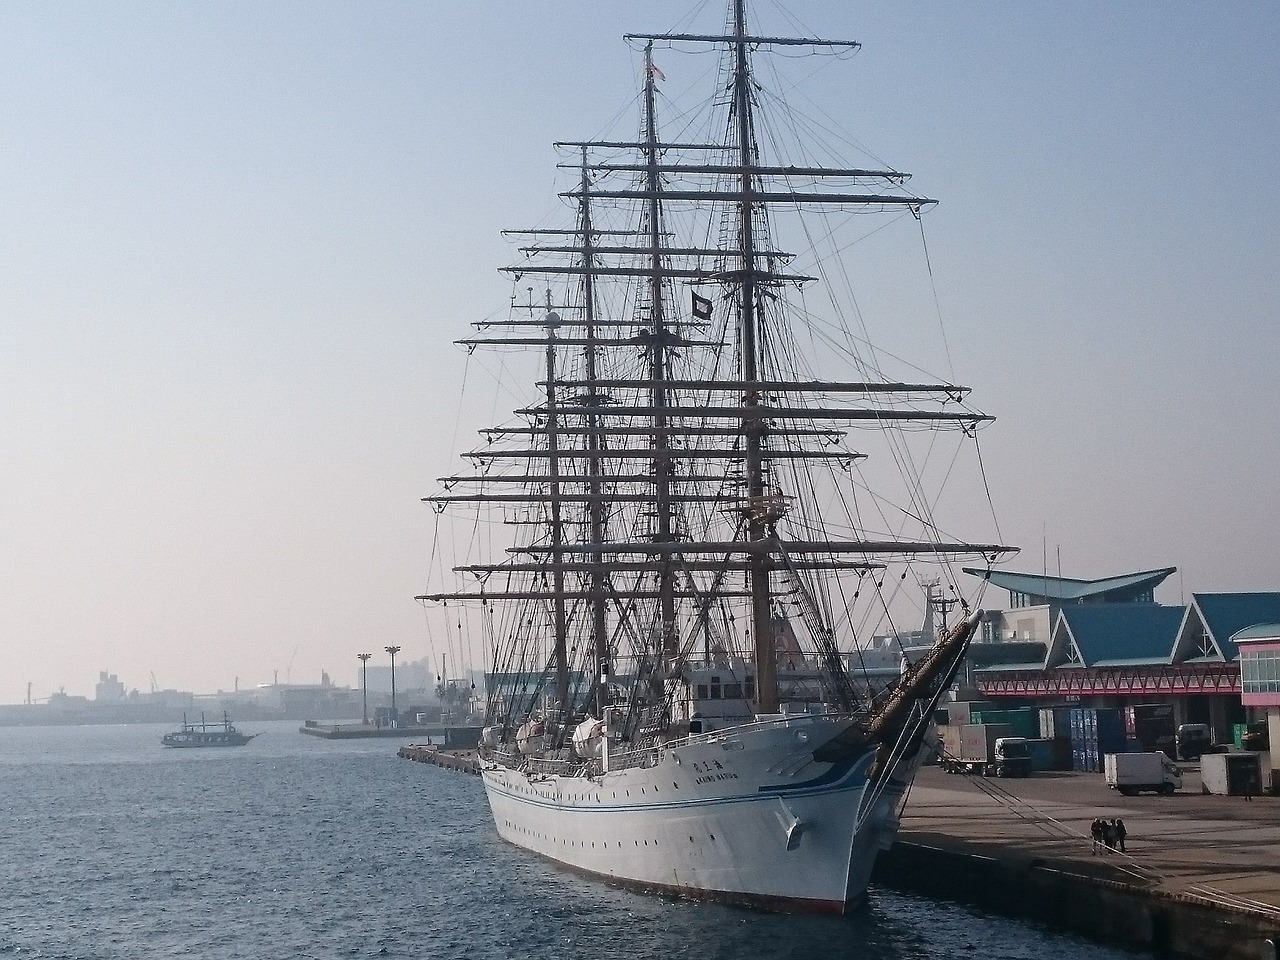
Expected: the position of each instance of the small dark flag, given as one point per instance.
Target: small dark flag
(701, 307)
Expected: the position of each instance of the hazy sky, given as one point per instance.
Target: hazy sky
(238, 238)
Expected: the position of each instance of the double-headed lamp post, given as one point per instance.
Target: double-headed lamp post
(364, 687)
(393, 651)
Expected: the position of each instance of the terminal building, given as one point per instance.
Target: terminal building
(1107, 643)
(1259, 648)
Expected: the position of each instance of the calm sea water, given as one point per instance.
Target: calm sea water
(114, 847)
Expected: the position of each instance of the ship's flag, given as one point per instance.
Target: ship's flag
(701, 307)
(656, 73)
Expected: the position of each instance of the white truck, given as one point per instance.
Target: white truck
(989, 749)
(1131, 773)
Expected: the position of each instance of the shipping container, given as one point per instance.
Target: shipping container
(1097, 724)
(1081, 761)
(949, 737)
(1234, 774)
(1024, 721)
(1062, 759)
(1153, 724)
(961, 711)
(1087, 754)
(978, 740)
(1147, 714)
(1043, 756)
(1108, 724)
(1078, 732)
(1055, 723)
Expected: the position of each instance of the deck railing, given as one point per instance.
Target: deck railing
(644, 755)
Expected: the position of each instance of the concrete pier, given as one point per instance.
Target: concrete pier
(451, 735)
(1200, 875)
(463, 761)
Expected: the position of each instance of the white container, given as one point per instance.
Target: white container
(1231, 774)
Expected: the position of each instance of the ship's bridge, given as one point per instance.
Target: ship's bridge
(718, 692)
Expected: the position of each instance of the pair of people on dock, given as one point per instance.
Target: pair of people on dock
(1108, 835)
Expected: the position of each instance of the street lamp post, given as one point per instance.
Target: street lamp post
(364, 687)
(395, 717)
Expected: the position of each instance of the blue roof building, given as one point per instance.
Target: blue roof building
(1114, 635)
(1040, 589)
(1212, 619)
(1107, 643)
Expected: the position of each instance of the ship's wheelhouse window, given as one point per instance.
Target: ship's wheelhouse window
(715, 688)
(733, 691)
(750, 688)
(702, 692)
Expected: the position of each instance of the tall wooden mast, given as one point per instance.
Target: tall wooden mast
(560, 622)
(660, 341)
(593, 399)
(757, 514)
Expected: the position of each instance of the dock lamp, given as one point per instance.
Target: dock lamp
(364, 687)
(395, 717)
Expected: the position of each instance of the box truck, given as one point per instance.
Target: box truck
(1131, 773)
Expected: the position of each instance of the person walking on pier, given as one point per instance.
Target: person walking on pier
(1098, 833)
(1117, 828)
(1109, 834)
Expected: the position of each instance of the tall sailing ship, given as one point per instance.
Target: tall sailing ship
(694, 562)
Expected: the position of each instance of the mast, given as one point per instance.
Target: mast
(560, 619)
(592, 400)
(660, 339)
(757, 515)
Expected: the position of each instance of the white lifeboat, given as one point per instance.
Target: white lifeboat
(588, 738)
(531, 738)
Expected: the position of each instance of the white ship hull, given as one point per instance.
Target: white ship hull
(744, 815)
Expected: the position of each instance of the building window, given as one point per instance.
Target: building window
(1260, 671)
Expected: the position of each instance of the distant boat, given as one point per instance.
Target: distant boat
(207, 734)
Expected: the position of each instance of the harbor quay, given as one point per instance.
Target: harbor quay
(1199, 875)
(450, 735)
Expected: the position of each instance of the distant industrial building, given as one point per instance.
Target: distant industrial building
(412, 676)
(108, 689)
